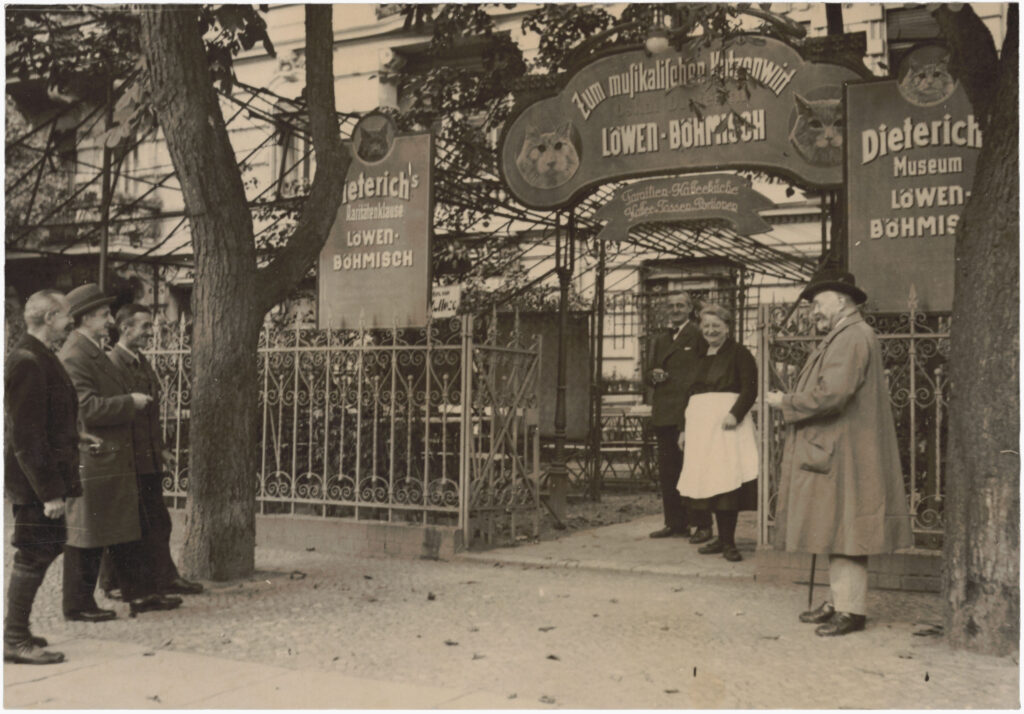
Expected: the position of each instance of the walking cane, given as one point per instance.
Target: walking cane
(810, 586)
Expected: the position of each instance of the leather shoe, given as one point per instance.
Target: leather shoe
(153, 601)
(180, 586)
(715, 546)
(37, 640)
(96, 615)
(701, 535)
(27, 652)
(731, 554)
(822, 613)
(842, 623)
(666, 532)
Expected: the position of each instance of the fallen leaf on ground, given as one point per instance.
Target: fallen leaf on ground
(310, 549)
(513, 695)
(769, 637)
(451, 643)
(549, 628)
(478, 656)
(431, 596)
(148, 654)
(296, 575)
(474, 629)
(554, 657)
(671, 691)
(930, 631)
(547, 700)
(367, 577)
(155, 698)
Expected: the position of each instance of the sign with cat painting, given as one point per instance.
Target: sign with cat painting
(374, 270)
(630, 114)
(913, 145)
(722, 197)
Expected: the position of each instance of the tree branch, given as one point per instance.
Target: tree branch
(292, 262)
(973, 53)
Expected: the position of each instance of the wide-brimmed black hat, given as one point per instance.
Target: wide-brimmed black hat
(85, 298)
(830, 278)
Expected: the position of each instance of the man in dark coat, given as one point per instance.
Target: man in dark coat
(135, 330)
(40, 464)
(674, 358)
(841, 491)
(107, 513)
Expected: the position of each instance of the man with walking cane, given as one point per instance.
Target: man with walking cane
(841, 491)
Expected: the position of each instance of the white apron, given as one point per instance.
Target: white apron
(716, 460)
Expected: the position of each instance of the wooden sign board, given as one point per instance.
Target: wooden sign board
(632, 114)
(374, 270)
(913, 144)
(725, 197)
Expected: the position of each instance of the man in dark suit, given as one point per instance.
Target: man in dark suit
(674, 358)
(107, 513)
(40, 464)
(135, 330)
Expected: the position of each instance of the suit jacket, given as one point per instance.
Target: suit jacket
(108, 511)
(679, 357)
(40, 430)
(841, 488)
(147, 436)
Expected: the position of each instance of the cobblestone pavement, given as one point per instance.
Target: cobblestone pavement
(540, 635)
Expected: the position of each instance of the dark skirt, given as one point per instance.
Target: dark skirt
(743, 498)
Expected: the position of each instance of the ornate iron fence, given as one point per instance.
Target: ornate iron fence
(434, 425)
(915, 347)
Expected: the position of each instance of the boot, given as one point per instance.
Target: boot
(26, 652)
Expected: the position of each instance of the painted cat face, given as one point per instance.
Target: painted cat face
(927, 83)
(818, 131)
(373, 145)
(548, 159)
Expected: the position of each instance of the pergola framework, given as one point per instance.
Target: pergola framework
(31, 232)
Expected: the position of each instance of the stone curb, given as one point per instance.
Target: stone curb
(599, 565)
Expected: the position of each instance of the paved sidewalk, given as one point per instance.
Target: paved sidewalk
(603, 618)
(628, 547)
(112, 675)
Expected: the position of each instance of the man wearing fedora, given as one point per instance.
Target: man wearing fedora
(107, 513)
(841, 491)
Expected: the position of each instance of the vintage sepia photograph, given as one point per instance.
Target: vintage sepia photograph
(512, 356)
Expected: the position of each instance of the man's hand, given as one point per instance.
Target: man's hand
(658, 375)
(729, 422)
(54, 509)
(141, 400)
(92, 440)
(774, 399)
(681, 440)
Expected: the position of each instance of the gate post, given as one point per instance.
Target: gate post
(763, 423)
(465, 426)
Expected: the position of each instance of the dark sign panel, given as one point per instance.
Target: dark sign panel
(724, 197)
(634, 114)
(913, 145)
(374, 269)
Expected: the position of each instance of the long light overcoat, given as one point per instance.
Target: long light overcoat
(107, 513)
(842, 485)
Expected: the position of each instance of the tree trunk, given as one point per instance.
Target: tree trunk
(231, 295)
(220, 533)
(982, 507)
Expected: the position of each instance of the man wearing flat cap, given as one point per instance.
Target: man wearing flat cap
(841, 491)
(107, 513)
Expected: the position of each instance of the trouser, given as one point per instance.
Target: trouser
(670, 463)
(82, 570)
(155, 521)
(848, 577)
(726, 526)
(38, 541)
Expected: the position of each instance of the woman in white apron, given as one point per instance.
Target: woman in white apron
(721, 463)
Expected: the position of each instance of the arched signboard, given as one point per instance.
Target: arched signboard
(634, 114)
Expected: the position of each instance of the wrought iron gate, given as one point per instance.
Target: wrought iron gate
(430, 426)
(915, 347)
